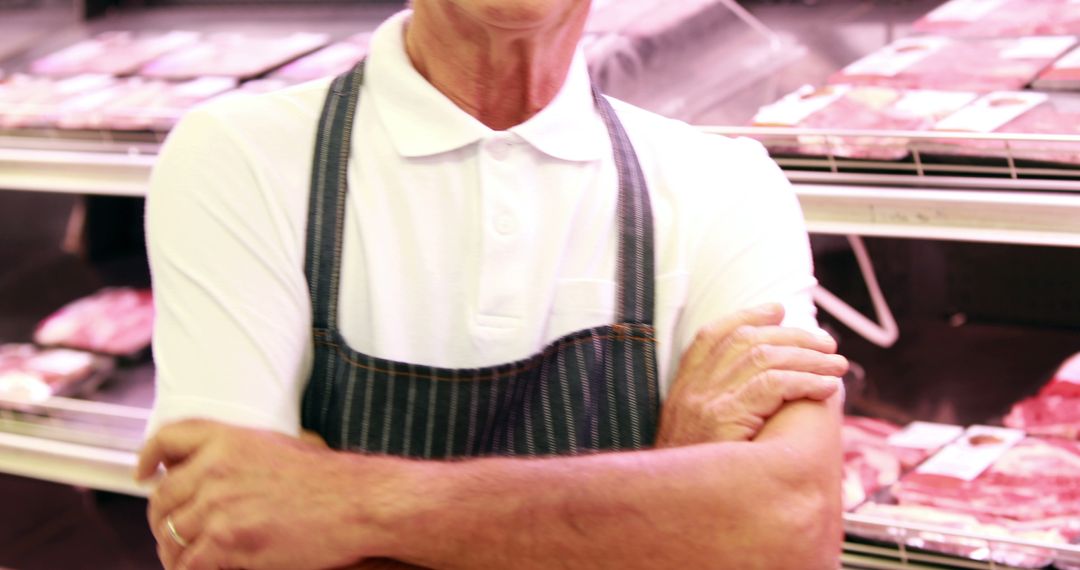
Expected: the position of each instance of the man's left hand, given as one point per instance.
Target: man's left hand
(243, 498)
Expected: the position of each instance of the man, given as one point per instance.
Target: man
(483, 261)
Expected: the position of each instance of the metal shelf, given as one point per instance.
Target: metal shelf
(998, 210)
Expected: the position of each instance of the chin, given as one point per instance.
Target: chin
(520, 14)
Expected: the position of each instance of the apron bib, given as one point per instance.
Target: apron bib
(592, 390)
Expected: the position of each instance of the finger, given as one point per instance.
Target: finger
(718, 331)
(172, 444)
(767, 392)
(768, 357)
(175, 490)
(785, 336)
(188, 522)
(167, 556)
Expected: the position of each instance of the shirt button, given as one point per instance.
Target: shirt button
(504, 224)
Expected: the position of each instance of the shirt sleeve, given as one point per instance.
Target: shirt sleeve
(232, 335)
(752, 246)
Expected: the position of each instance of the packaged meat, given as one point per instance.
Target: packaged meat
(936, 62)
(876, 453)
(332, 60)
(1001, 18)
(113, 53)
(1030, 490)
(36, 102)
(1014, 556)
(31, 375)
(1063, 75)
(115, 321)
(136, 104)
(1055, 410)
(1021, 112)
(240, 56)
(870, 108)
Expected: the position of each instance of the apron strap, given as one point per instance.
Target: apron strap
(329, 186)
(636, 258)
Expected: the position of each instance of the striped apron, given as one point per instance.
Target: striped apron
(594, 389)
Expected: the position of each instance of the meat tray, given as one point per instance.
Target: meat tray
(30, 375)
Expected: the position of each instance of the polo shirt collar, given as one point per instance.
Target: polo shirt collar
(421, 121)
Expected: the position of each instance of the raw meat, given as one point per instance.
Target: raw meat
(332, 60)
(1055, 410)
(115, 321)
(1045, 532)
(870, 462)
(1063, 75)
(35, 102)
(114, 53)
(140, 104)
(239, 56)
(859, 108)
(30, 375)
(935, 62)
(1035, 485)
(999, 18)
(1022, 112)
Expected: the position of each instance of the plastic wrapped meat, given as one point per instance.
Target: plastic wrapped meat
(860, 108)
(1063, 75)
(116, 321)
(239, 56)
(1031, 491)
(31, 375)
(871, 460)
(999, 18)
(1022, 112)
(934, 62)
(140, 104)
(36, 102)
(332, 60)
(1055, 410)
(976, 549)
(113, 53)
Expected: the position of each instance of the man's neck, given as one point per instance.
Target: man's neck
(499, 75)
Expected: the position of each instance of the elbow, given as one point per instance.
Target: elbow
(810, 534)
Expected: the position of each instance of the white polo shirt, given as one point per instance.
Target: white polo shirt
(464, 247)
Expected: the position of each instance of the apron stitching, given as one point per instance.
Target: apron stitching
(410, 412)
(343, 352)
(365, 426)
(347, 412)
(564, 382)
(452, 416)
(545, 406)
(388, 413)
(433, 392)
(474, 411)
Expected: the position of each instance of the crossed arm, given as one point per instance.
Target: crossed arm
(746, 474)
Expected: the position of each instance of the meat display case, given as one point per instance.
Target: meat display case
(91, 442)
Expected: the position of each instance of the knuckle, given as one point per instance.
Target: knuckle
(761, 356)
(744, 336)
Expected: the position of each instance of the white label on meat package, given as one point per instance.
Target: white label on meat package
(896, 57)
(1041, 47)
(925, 435)
(929, 103)
(795, 107)
(1070, 61)
(969, 456)
(990, 112)
(963, 10)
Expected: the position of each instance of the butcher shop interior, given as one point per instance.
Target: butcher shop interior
(934, 147)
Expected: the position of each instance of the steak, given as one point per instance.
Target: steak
(999, 18)
(116, 321)
(30, 375)
(112, 53)
(870, 462)
(137, 104)
(331, 60)
(868, 108)
(1055, 410)
(240, 56)
(936, 62)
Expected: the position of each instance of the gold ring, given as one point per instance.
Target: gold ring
(179, 540)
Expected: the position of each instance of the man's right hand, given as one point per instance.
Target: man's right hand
(739, 371)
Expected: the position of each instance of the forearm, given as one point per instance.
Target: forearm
(762, 504)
